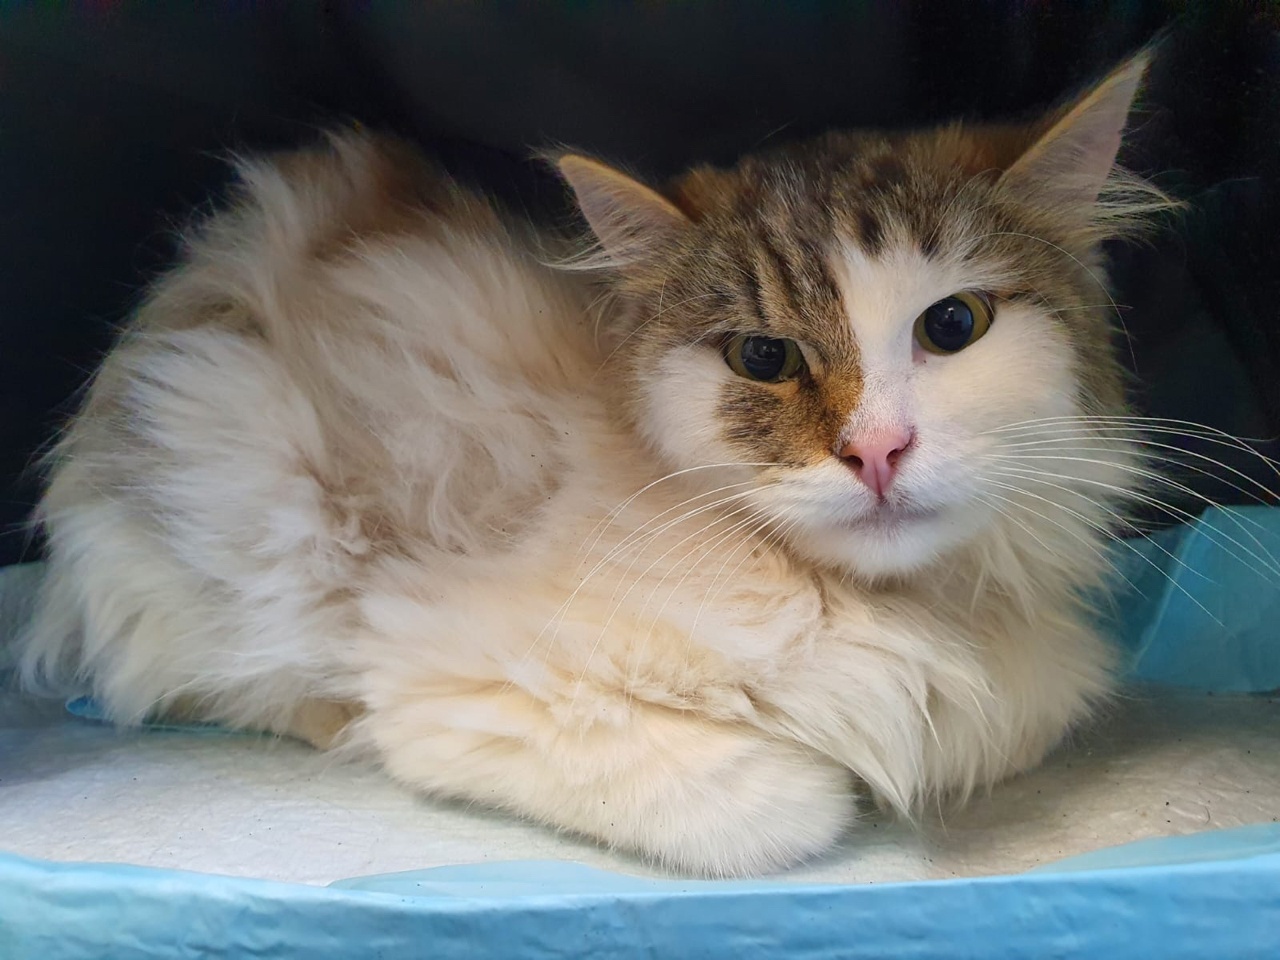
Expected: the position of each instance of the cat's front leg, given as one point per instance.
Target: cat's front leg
(862, 701)
(1036, 681)
(694, 794)
(922, 714)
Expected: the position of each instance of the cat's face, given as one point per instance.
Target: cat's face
(868, 326)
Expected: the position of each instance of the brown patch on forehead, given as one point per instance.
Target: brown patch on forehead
(794, 288)
(774, 239)
(870, 231)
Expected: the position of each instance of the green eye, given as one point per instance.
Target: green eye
(952, 324)
(767, 359)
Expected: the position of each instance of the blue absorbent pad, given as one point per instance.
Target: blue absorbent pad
(1201, 609)
(1209, 909)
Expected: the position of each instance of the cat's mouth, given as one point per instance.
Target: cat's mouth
(891, 516)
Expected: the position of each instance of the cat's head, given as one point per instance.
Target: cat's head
(872, 325)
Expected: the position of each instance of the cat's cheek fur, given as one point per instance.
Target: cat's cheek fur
(680, 396)
(1022, 370)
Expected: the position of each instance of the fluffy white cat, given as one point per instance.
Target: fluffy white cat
(682, 567)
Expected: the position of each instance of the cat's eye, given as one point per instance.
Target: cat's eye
(768, 359)
(954, 323)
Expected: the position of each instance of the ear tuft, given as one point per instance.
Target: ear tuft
(632, 221)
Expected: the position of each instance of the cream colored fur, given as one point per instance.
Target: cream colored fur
(402, 479)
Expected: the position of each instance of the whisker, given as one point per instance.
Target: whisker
(772, 538)
(1130, 433)
(1089, 524)
(698, 548)
(1147, 473)
(615, 553)
(1112, 536)
(754, 522)
(1092, 523)
(1182, 427)
(646, 530)
(1032, 534)
(619, 602)
(713, 591)
(1035, 476)
(616, 511)
(1155, 543)
(1097, 551)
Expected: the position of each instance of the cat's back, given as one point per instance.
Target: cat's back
(354, 311)
(363, 243)
(357, 357)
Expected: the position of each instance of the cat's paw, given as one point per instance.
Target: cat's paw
(773, 806)
(690, 794)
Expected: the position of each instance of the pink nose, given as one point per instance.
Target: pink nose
(875, 457)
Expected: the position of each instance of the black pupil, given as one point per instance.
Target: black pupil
(764, 357)
(949, 324)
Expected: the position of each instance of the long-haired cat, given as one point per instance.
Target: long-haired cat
(678, 548)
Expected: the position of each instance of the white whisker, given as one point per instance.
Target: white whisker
(639, 536)
(1147, 455)
(616, 511)
(1039, 477)
(618, 603)
(1117, 539)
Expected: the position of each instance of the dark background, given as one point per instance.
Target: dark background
(114, 118)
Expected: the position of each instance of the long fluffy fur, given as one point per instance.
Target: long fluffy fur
(355, 473)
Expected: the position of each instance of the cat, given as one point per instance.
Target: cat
(683, 543)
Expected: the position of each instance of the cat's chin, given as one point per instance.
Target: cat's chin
(889, 543)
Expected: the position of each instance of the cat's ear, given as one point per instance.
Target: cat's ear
(632, 221)
(1074, 157)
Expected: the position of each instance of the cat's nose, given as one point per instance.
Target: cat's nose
(875, 457)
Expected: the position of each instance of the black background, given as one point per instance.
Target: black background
(114, 118)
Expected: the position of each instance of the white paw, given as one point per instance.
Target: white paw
(772, 807)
